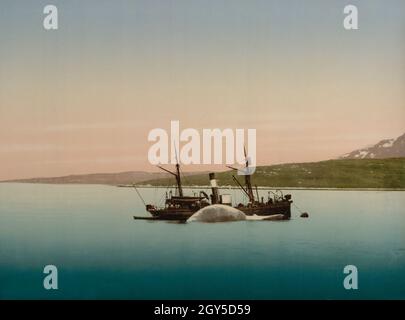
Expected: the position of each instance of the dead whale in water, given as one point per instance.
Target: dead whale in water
(217, 213)
(223, 213)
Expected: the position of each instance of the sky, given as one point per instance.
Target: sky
(83, 98)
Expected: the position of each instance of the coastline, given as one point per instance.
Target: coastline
(205, 186)
(267, 188)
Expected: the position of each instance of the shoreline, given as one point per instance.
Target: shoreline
(208, 187)
(267, 188)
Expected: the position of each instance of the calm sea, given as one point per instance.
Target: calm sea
(88, 232)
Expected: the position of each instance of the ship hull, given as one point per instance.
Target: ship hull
(282, 207)
(179, 214)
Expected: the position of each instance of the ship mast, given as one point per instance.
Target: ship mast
(178, 179)
(247, 180)
(176, 175)
(248, 183)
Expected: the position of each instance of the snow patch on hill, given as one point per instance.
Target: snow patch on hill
(387, 148)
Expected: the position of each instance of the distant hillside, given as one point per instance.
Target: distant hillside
(343, 173)
(350, 173)
(128, 177)
(388, 148)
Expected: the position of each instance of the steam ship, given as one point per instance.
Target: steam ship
(179, 207)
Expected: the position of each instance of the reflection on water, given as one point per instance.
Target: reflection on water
(101, 252)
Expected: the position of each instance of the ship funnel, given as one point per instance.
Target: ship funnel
(214, 188)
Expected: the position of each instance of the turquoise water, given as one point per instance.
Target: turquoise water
(101, 252)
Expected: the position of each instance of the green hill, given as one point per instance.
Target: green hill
(347, 173)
